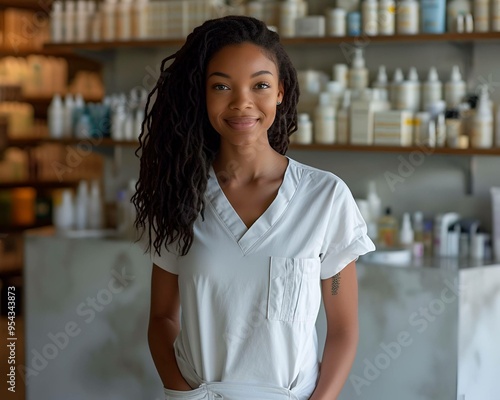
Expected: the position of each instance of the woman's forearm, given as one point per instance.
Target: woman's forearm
(161, 336)
(338, 357)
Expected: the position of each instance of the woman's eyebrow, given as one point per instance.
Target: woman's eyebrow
(223, 75)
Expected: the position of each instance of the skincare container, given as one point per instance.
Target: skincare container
(455, 8)
(433, 15)
(353, 23)
(495, 16)
(310, 26)
(57, 22)
(454, 89)
(481, 13)
(324, 120)
(432, 89)
(358, 74)
(336, 22)
(304, 134)
(387, 229)
(369, 14)
(69, 21)
(386, 17)
(393, 128)
(482, 123)
(407, 17)
(343, 116)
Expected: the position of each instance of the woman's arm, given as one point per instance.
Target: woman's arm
(340, 297)
(164, 327)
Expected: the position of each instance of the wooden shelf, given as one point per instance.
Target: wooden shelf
(8, 229)
(394, 149)
(48, 98)
(36, 184)
(151, 43)
(44, 5)
(107, 142)
(104, 142)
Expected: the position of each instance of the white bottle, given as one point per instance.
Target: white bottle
(382, 81)
(406, 235)
(64, 213)
(407, 18)
(337, 22)
(324, 120)
(358, 74)
(140, 18)
(69, 105)
(369, 15)
(497, 128)
(375, 209)
(304, 134)
(454, 89)
(289, 12)
(336, 91)
(343, 119)
(125, 20)
(341, 74)
(95, 206)
(495, 15)
(109, 20)
(416, 88)
(118, 118)
(482, 124)
(440, 130)
(81, 21)
(55, 117)
(432, 89)
(57, 22)
(481, 12)
(455, 8)
(395, 87)
(386, 17)
(95, 22)
(69, 21)
(81, 206)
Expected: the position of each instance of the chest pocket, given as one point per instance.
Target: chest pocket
(294, 289)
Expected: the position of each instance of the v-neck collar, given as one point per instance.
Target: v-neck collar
(248, 237)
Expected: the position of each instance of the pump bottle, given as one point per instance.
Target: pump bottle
(454, 89)
(432, 89)
(343, 119)
(358, 74)
(482, 124)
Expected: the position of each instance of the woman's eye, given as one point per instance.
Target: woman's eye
(262, 85)
(220, 87)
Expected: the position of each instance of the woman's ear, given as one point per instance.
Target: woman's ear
(281, 93)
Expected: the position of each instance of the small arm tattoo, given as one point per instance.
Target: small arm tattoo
(335, 284)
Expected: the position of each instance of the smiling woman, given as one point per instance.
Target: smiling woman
(245, 239)
(245, 101)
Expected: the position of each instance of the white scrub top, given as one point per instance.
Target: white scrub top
(250, 296)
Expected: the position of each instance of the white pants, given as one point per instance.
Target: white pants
(231, 391)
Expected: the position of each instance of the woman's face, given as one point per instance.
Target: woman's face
(243, 88)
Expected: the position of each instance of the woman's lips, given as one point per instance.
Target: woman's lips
(242, 123)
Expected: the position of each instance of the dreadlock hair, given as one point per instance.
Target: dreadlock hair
(177, 143)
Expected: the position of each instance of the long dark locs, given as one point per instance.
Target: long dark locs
(177, 143)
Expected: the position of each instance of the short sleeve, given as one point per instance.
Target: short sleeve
(346, 234)
(168, 257)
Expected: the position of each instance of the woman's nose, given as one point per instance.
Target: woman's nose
(240, 100)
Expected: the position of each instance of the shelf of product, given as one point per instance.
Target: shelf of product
(27, 4)
(360, 40)
(108, 142)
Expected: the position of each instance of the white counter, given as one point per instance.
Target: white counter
(425, 332)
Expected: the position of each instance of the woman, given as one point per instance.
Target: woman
(244, 239)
